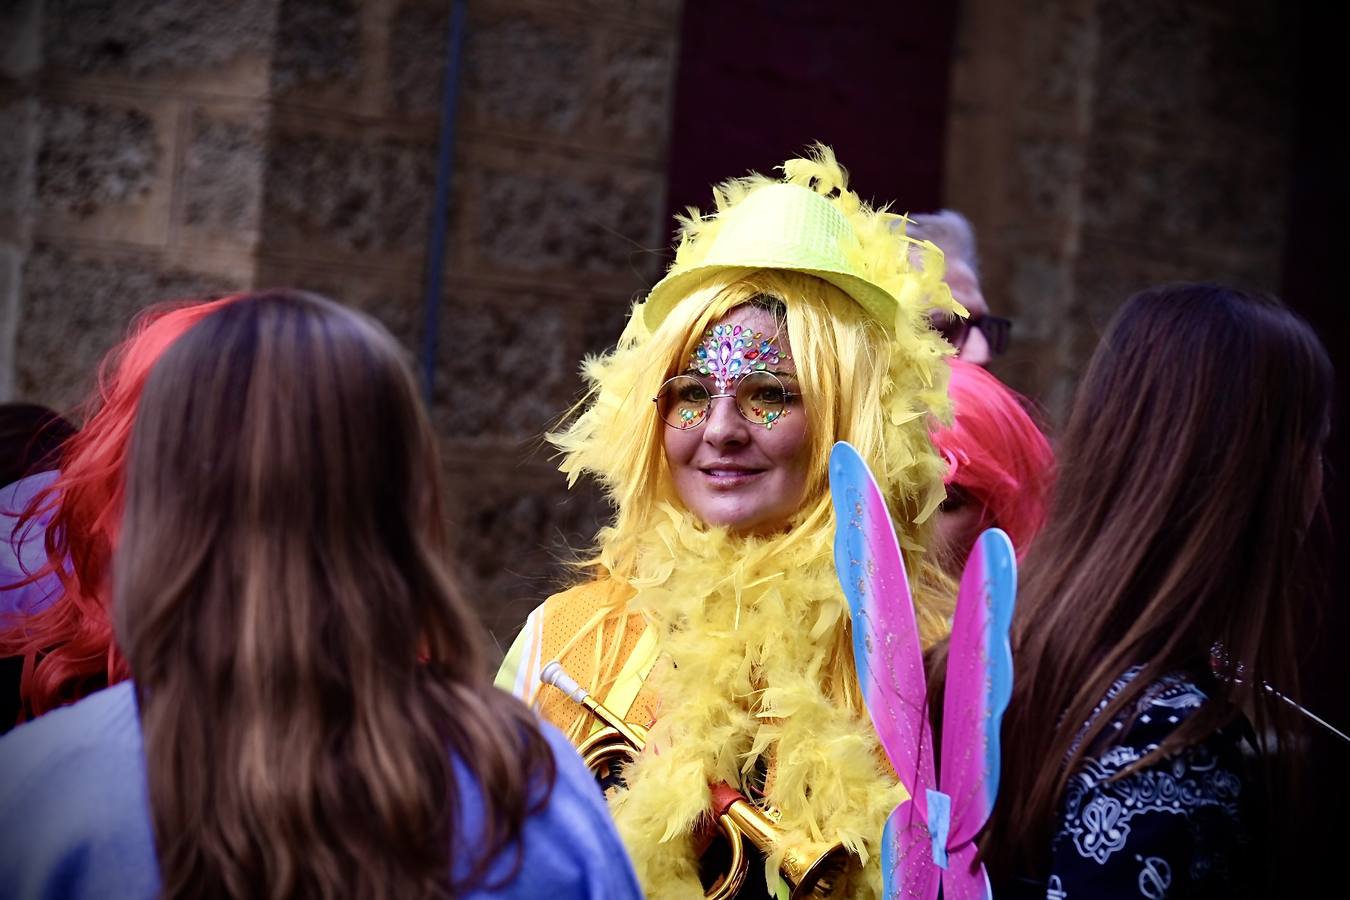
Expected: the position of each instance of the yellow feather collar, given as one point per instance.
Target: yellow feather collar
(762, 667)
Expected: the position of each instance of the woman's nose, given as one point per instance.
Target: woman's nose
(725, 426)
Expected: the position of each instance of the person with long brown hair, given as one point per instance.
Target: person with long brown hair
(1159, 604)
(311, 713)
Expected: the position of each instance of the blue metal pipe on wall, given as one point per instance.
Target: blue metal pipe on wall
(434, 288)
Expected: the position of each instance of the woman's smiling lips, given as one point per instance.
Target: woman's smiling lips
(729, 475)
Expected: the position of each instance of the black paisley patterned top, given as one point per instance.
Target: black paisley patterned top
(1175, 829)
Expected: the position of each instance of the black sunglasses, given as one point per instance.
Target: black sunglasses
(996, 330)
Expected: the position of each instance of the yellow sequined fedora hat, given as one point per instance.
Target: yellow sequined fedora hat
(809, 223)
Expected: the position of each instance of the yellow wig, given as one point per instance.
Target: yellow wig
(757, 628)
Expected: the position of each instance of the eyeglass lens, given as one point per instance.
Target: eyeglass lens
(684, 401)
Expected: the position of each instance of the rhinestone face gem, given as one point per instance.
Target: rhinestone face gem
(729, 352)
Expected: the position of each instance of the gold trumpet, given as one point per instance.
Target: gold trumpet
(813, 871)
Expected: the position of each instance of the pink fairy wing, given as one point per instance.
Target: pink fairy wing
(979, 684)
(886, 650)
(907, 857)
(963, 880)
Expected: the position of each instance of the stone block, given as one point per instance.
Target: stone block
(652, 11)
(418, 42)
(20, 38)
(515, 534)
(222, 172)
(317, 42)
(604, 320)
(506, 365)
(1191, 190)
(11, 288)
(95, 155)
(525, 74)
(1050, 170)
(393, 296)
(1179, 66)
(75, 308)
(1058, 331)
(1038, 290)
(507, 361)
(142, 37)
(1151, 65)
(1249, 81)
(19, 122)
(1062, 306)
(1059, 47)
(575, 221)
(1109, 271)
(635, 82)
(1037, 370)
(343, 193)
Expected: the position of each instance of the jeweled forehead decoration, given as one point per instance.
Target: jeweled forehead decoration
(730, 352)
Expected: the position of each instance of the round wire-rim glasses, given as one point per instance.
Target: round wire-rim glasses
(684, 401)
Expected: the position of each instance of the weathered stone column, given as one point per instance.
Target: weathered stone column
(1100, 146)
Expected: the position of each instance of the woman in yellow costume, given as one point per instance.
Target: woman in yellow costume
(711, 614)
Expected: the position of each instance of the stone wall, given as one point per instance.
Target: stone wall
(135, 177)
(181, 148)
(1100, 146)
(169, 148)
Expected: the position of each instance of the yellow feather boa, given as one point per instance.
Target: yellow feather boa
(762, 667)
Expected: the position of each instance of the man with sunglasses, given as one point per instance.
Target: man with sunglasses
(980, 337)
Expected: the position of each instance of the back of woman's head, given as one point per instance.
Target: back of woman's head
(1191, 463)
(996, 453)
(1189, 473)
(303, 661)
(68, 647)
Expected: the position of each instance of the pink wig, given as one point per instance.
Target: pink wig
(997, 454)
(68, 648)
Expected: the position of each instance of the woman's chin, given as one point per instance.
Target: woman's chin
(745, 523)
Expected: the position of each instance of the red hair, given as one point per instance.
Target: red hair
(67, 647)
(997, 453)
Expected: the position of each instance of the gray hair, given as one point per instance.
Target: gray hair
(951, 231)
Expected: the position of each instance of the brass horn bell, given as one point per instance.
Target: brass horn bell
(812, 871)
